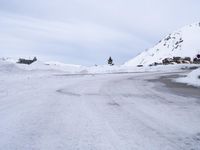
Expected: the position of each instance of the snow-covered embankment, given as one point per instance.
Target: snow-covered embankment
(192, 78)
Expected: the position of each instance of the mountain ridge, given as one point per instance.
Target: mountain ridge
(184, 42)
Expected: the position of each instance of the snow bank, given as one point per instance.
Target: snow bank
(130, 69)
(50, 66)
(192, 78)
(8, 67)
(57, 67)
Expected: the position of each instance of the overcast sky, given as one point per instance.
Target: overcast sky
(88, 31)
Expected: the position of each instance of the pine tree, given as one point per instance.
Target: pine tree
(110, 61)
(34, 59)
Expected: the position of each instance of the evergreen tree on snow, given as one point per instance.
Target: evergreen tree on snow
(110, 61)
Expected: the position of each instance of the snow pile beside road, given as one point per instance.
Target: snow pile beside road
(51, 66)
(57, 67)
(9, 65)
(109, 69)
(6, 66)
(192, 78)
(106, 69)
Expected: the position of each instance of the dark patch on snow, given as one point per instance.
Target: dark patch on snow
(193, 142)
(129, 95)
(61, 91)
(114, 104)
(180, 89)
(190, 68)
(93, 94)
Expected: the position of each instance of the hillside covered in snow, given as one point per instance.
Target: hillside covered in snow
(181, 43)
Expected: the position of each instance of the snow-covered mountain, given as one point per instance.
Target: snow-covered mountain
(184, 42)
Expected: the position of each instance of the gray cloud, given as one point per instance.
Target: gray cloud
(87, 32)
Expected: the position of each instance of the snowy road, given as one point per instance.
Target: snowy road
(95, 112)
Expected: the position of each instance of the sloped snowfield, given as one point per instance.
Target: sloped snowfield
(52, 110)
(182, 43)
